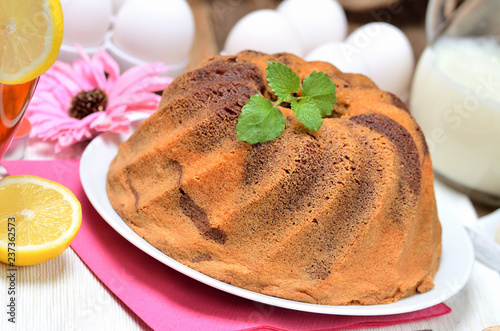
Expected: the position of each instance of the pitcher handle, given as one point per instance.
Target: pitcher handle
(438, 11)
(441, 13)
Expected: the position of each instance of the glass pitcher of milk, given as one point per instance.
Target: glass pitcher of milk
(455, 95)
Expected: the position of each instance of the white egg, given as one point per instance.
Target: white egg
(265, 31)
(155, 30)
(86, 21)
(316, 22)
(341, 55)
(388, 55)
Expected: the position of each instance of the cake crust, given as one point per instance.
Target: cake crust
(345, 215)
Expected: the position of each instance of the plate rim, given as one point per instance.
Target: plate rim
(110, 216)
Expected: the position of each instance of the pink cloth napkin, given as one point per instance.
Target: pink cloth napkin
(166, 299)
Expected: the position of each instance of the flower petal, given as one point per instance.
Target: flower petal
(110, 66)
(86, 79)
(134, 78)
(63, 71)
(108, 123)
(94, 70)
(136, 100)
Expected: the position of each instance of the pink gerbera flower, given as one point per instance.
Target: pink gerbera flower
(76, 103)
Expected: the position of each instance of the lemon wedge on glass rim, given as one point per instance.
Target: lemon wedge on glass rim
(39, 219)
(31, 33)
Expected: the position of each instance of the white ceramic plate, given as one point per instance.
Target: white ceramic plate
(456, 262)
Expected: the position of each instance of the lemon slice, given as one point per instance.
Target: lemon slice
(38, 219)
(31, 33)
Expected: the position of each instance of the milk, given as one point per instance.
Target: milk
(456, 100)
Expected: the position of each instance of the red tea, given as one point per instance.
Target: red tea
(14, 100)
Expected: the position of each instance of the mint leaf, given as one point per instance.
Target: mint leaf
(308, 112)
(259, 121)
(321, 90)
(282, 80)
(318, 98)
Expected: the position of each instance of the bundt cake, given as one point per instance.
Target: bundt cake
(343, 215)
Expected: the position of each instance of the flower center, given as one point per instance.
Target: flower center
(88, 102)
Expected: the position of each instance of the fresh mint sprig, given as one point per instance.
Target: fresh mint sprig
(260, 119)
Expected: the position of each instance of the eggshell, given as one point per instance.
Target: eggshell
(86, 21)
(265, 31)
(341, 55)
(155, 30)
(316, 22)
(127, 61)
(387, 54)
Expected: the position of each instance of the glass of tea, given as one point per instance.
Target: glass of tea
(14, 100)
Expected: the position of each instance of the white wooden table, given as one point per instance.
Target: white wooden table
(63, 294)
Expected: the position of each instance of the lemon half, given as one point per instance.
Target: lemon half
(39, 219)
(31, 33)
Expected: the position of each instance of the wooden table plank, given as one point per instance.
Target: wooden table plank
(204, 44)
